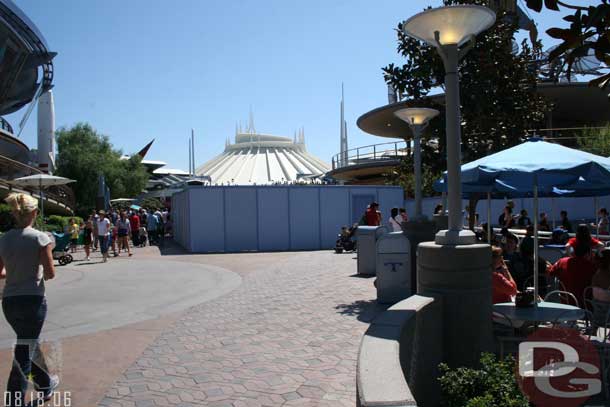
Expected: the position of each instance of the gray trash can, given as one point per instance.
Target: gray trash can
(393, 268)
(367, 240)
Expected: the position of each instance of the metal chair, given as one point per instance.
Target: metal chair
(562, 297)
(504, 331)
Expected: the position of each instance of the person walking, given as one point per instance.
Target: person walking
(151, 227)
(22, 251)
(395, 220)
(88, 238)
(134, 223)
(103, 234)
(124, 230)
(74, 231)
(94, 218)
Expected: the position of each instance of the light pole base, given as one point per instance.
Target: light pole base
(455, 237)
(460, 276)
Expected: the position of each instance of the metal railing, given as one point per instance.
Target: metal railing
(373, 153)
(6, 126)
(62, 194)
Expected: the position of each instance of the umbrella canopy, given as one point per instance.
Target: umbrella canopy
(537, 162)
(41, 181)
(555, 169)
(117, 200)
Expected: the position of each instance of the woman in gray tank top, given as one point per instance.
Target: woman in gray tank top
(23, 250)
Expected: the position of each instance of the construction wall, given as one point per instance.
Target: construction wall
(272, 218)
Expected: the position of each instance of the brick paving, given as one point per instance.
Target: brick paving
(288, 336)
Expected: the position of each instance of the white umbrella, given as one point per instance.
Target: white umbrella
(41, 181)
(117, 200)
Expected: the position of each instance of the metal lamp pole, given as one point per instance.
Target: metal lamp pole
(417, 118)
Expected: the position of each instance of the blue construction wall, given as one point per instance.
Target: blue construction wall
(272, 218)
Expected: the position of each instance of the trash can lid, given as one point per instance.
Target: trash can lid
(395, 242)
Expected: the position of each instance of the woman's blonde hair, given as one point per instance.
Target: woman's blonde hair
(22, 205)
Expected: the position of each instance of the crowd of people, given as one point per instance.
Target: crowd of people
(119, 230)
(586, 264)
(372, 217)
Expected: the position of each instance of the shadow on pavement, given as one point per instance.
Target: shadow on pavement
(363, 310)
(362, 275)
(168, 247)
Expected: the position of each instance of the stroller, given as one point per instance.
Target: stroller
(60, 251)
(345, 241)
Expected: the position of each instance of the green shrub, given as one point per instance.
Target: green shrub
(493, 385)
(62, 221)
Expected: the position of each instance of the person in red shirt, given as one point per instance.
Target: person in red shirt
(576, 273)
(502, 283)
(134, 221)
(372, 215)
(584, 238)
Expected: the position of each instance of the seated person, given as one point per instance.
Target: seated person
(575, 272)
(543, 224)
(513, 259)
(506, 220)
(584, 238)
(601, 279)
(504, 287)
(559, 237)
(524, 220)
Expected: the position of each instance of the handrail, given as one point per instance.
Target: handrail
(62, 194)
(6, 126)
(371, 153)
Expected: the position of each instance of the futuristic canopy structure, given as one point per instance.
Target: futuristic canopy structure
(23, 52)
(261, 159)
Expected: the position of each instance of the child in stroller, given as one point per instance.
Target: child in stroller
(143, 236)
(346, 239)
(60, 251)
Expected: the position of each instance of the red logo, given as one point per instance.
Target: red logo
(558, 367)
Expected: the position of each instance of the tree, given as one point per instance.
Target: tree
(588, 33)
(595, 141)
(499, 102)
(84, 155)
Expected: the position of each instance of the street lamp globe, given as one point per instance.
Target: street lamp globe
(416, 116)
(455, 25)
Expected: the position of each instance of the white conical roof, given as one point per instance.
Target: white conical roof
(263, 159)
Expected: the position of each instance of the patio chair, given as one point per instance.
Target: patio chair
(597, 312)
(505, 331)
(602, 344)
(561, 297)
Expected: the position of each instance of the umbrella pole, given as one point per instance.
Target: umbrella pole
(595, 217)
(41, 206)
(536, 240)
(489, 217)
(553, 211)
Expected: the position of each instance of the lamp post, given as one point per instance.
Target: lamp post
(452, 31)
(417, 119)
(454, 268)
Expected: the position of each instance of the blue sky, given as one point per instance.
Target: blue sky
(143, 69)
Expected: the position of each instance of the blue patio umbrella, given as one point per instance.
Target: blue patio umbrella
(538, 168)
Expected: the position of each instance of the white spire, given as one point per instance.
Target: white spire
(343, 135)
(251, 128)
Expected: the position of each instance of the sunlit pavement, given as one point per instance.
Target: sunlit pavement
(263, 329)
(289, 335)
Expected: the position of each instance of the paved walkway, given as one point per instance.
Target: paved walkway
(289, 335)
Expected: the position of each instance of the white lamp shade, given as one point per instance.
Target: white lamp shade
(455, 24)
(416, 116)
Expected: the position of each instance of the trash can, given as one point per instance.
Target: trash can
(367, 239)
(393, 268)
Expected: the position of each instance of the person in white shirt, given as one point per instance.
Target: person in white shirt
(103, 230)
(395, 220)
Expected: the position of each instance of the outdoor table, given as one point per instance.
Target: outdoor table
(544, 312)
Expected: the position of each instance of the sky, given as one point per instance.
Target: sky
(143, 69)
